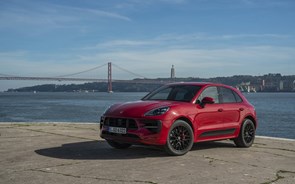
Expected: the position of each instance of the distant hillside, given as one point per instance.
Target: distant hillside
(90, 87)
(265, 83)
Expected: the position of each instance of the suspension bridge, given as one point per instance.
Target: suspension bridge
(69, 77)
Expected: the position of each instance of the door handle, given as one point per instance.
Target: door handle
(241, 109)
(220, 110)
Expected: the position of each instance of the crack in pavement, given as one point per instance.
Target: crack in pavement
(263, 144)
(3, 127)
(80, 127)
(212, 159)
(71, 136)
(278, 176)
(280, 155)
(282, 149)
(45, 170)
(93, 177)
(55, 124)
(24, 136)
(47, 167)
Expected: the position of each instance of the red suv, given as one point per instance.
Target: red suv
(177, 115)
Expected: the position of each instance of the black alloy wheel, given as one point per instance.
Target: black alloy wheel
(247, 134)
(180, 138)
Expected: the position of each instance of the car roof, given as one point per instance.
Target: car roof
(200, 84)
(193, 83)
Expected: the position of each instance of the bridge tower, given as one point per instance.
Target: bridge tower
(110, 88)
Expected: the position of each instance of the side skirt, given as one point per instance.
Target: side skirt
(218, 132)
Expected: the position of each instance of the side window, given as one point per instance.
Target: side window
(238, 98)
(210, 92)
(227, 95)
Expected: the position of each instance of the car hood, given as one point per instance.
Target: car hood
(136, 108)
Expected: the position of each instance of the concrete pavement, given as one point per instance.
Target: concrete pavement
(61, 153)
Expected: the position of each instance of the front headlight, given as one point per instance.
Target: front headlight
(157, 112)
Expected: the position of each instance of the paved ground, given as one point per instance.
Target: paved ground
(73, 153)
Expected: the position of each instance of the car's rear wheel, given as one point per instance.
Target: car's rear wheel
(118, 145)
(180, 138)
(247, 134)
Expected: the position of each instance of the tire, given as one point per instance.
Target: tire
(118, 145)
(247, 134)
(180, 138)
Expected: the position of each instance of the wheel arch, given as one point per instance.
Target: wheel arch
(186, 120)
(252, 119)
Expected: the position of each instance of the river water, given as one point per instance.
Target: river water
(276, 111)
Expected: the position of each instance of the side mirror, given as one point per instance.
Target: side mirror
(207, 100)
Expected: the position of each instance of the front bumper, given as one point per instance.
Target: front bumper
(138, 130)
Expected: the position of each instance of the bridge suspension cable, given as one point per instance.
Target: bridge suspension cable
(84, 71)
(6, 75)
(135, 74)
(76, 73)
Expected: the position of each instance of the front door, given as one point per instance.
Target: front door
(209, 118)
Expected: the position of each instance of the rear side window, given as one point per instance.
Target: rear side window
(238, 98)
(227, 95)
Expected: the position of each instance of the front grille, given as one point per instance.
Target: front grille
(130, 124)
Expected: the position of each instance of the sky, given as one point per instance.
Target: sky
(201, 38)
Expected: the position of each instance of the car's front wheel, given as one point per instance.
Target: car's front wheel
(180, 138)
(247, 134)
(118, 145)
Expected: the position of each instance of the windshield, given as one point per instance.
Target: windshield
(183, 93)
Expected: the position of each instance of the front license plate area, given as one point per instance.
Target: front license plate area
(117, 130)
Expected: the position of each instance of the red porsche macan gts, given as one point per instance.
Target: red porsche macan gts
(178, 115)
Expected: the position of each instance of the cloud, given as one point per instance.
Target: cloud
(50, 15)
(137, 5)
(174, 1)
(96, 12)
(154, 63)
(3, 55)
(264, 3)
(203, 36)
(204, 62)
(185, 41)
(126, 43)
(153, 57)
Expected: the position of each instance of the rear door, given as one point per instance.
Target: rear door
(232, 108)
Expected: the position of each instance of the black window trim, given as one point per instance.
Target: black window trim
(236, 94)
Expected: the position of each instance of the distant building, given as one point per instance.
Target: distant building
(281, 85)
(172, 72)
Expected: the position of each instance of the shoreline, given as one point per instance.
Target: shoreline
(91, 123)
